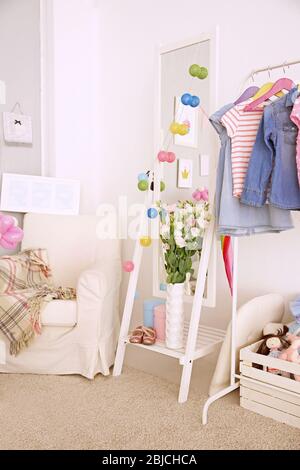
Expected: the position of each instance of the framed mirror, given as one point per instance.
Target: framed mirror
(195, 165)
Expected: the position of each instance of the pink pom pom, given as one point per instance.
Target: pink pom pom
(162, 156)
(128, 266)
(171, 157)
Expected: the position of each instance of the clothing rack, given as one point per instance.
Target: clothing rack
(234, 377)
(283, 66)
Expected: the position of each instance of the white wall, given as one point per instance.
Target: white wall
(20, 70)
(71, 47)
(252, 34)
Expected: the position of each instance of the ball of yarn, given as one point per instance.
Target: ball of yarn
(171, 157)
(194, 70)
(174, 127)
(186, 99)
(145, 241)
(195, 101)
(203, 72)
(152, 213)
(143, 185)
(128, 266)
(162, 156)
(143, 177)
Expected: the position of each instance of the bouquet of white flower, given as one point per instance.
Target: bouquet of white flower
(181, 232)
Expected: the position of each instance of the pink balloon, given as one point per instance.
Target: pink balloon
(128, 266)
(6, 222)
(171, 157)
(14, 235)
(10, 234)
(8, 245)
(162, 156)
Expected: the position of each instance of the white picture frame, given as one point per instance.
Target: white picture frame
(39, 194)
(185, 173)
(190, 116)
(17, 128)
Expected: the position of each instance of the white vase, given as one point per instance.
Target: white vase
(174, 316)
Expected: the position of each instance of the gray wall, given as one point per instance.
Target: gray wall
(20, 69)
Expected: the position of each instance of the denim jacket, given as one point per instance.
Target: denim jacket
(272, 171)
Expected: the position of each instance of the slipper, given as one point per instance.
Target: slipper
(149, 337)
(137, 335)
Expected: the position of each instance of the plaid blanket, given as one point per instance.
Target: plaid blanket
(25, 288)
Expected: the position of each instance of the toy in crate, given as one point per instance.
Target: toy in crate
(283, 342)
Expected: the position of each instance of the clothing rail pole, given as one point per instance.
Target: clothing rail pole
(272, 67)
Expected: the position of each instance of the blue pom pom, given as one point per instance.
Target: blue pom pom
(163, 287)
(143, 177)
(186, 99)
(152, 213)
(195, 101)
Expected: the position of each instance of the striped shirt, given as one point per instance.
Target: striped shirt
(242, 128)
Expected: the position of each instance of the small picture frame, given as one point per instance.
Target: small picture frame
(185, 173)
(17, 128)
(39, 194)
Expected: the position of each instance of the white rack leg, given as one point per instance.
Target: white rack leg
(215, 397)
(195, 315)
(233, 384)
(131, 290)
(128, 310)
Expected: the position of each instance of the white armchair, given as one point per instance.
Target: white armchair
(78, 337)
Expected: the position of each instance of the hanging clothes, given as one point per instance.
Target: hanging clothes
(233, 218)
(272, 171)
(295, 117)
(242, 128)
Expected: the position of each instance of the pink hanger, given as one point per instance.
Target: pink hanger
(281, 84)
(248, 93)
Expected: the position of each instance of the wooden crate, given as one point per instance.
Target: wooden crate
(268, 394)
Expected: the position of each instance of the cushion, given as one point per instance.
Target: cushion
(252, 317)
(59, 313)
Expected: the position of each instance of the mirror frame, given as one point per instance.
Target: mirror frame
(213, 38)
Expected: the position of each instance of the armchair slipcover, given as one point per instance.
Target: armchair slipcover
(78, 337)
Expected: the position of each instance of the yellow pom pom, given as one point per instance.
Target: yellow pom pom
(145, 241)
(174, 127)
(183, 129)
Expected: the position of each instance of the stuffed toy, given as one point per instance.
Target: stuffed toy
(294, 328)
(291, 354)
(274, 341)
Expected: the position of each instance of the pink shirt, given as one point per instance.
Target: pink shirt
(295, 117)
(242, 127)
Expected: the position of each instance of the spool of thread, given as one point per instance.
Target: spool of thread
(160, 322)
(149, 306)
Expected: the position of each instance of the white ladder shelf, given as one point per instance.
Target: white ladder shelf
(199, 340)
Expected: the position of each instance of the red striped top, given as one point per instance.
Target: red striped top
(242, 128)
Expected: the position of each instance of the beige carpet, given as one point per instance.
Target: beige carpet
(134, 411)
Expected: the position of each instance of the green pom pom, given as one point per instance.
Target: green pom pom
(162, 186)
(194, 70)
(202, 73)
(143, 185)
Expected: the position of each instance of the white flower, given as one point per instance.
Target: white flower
(177, 233)
(180, 242)
(179, 225)
(195, 232)
(165, 231)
